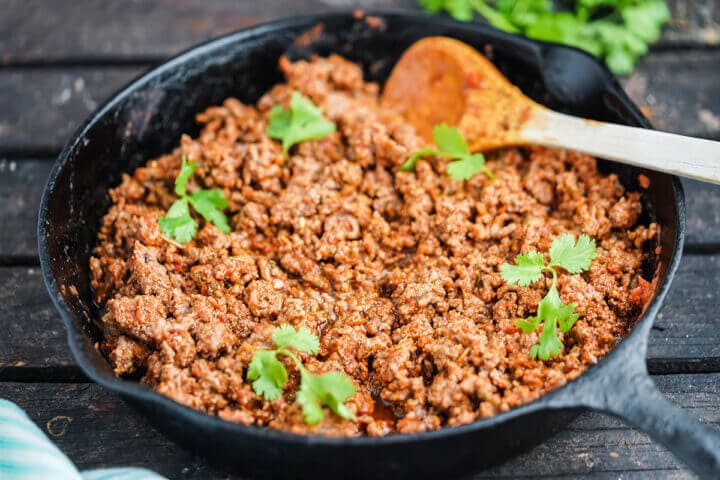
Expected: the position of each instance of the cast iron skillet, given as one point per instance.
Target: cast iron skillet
(146, 118)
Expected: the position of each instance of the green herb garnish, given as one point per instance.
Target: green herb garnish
(616, 31)
(177, 222)
(303, 121)
(451, 144)
(565, 253)
(269, 376)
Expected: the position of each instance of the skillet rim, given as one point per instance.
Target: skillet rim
(567, 396)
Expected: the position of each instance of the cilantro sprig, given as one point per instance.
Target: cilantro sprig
(451, 144)
(616, 31)
(565, 253)
(177, 223)
(269, 376)
(302, 121)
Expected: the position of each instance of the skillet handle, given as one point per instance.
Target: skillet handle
(630, 394)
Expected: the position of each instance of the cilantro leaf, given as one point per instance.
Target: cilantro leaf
(528, 325)
(566, 253)
(409, 164)
(564, 27)
(551, 307)
(616, 31)
(187, 169)
(432, 6)
(567, 316)
(570, 255)
(521, 13)
(332, 389)
(495, 18)
(527, 269)
(466, 167)
(279, 123)
(550, 311)
(460, 10)
(301, 339)
(451, 144)
(268, 373)
(303, 121)
(177, 222)
(450, 141)
(622, 48)
(549, 345)
(335, 389)
(209, 204)
(646, 18)
(312, 411)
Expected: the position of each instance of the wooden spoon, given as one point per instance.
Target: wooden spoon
(442, 80)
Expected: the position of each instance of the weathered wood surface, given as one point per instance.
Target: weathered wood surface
(32, 333)
(21, 186)
(38, 31)
(96, 429)
(694, 23)
(686, 336)
(702, 202)
(43, 106)
(680, 90)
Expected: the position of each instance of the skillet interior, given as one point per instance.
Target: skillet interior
(147, 118)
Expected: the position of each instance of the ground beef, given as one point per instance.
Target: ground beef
(396, 272)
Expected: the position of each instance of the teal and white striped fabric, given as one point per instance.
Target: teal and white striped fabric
(27, 454)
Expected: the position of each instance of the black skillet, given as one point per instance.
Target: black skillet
(146, 118)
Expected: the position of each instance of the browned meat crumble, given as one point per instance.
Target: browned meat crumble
(396, 272)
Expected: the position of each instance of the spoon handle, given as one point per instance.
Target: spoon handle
(665, 152)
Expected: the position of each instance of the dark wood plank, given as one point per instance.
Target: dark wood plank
(143, 29)
(703, 216)
(686, 337)
(593, 446)
(43, 106)
(95, 428)
(687, 326)
(32, 333)
(21, 186)
(146, 29)
(694, 23)
(680, 91)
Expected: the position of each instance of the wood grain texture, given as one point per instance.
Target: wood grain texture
(92, 30)
(679, 91)
(593, 446)
(145, 29)
(703, 216)
(42, 107)
(694, 23)
(685, 338)
(32, 333)
(686, 331)
(21, 186)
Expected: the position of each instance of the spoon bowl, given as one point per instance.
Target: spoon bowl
(443, 80)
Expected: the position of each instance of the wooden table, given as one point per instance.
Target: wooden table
(60, 59)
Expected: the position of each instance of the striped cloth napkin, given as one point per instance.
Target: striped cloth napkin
(27, 454)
